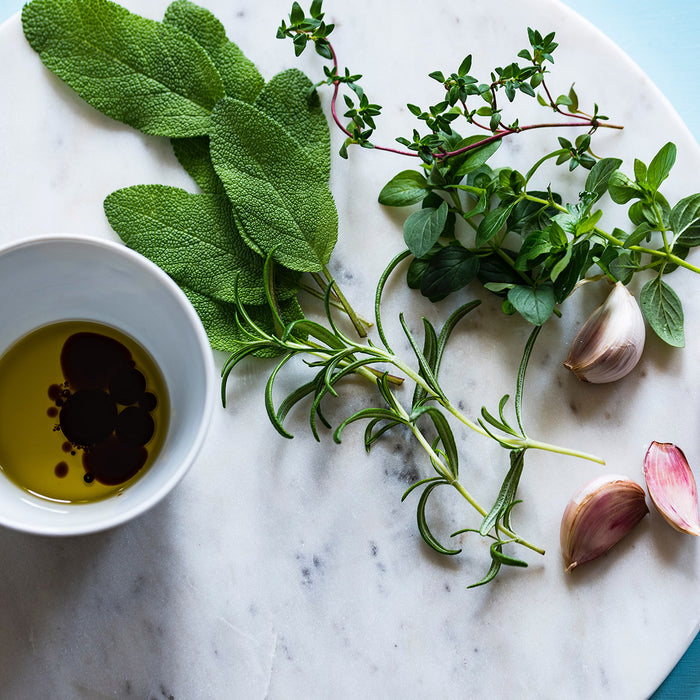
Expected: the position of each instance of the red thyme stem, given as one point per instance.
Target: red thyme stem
(497, 135)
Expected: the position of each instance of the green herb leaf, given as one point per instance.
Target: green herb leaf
(621, 188)
(599, 176)
(281, 206)
(661, 165)
(685, 220)
(408, 187)
(422, 228)
(193, 155)
(452, 268)
(663, 310)
(220, 321)
(493, 222)
(534, 304)
(289, 99)
(144, 73)
(239, 75)
(533, 250)
(474, 159)
(193, 238)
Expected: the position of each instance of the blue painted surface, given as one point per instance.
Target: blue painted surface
(662, 38)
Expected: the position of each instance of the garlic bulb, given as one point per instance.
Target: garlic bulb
(599, 515)
(672, 486)
(610, 342)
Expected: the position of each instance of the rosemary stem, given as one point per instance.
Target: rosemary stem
(333, 302)
(445, 473)
(359, 327)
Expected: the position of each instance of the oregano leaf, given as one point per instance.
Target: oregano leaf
(408, 187)
(534, 304)
(663, 310)
(422, 229)
(661, 165)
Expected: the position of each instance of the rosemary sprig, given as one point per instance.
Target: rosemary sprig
(333, 356)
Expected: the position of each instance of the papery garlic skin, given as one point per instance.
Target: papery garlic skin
(672, 486)
(610, 342)
(598, 516)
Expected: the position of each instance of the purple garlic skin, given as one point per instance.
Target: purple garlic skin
(609, 344)
(672, 486)
(598, 516)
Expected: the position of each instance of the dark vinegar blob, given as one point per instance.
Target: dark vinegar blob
(127, 386)
(52, 412)
(67, 446)
(55, 392)
(134, 426)
(113, 462)
(148, 401)
(61, 470)
(89, 360)
(88, 417)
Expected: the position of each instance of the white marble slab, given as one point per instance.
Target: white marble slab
(290, 569)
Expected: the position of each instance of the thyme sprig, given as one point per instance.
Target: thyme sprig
(461, 90)
(333, 356)
(526, 245)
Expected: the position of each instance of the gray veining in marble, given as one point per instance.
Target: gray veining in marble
(288, 569)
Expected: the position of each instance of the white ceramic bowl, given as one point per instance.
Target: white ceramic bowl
(48, 279)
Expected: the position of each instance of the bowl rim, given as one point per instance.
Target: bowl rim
(137, 508)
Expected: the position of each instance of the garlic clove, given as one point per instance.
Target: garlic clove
(598, 516)
(672, 486)
(610, 342)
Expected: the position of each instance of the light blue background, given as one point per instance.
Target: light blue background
(661, 36)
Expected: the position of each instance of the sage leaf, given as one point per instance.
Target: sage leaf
(685, 220)
(534, 304)
(422, 229)
(220, 320)
(193, 155)
(239, 76)
(193, 238)
(406, 188)
(280, 205)
(289, 99)
(141, 72)
(285, 99)
(663, 310)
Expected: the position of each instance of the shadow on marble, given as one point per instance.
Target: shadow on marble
(83, 615)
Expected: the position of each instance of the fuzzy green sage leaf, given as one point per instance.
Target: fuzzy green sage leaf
(141, 72)
(240, 77)
(193, 238)
(281, 205)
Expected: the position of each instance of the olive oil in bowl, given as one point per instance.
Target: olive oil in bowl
(83, 411)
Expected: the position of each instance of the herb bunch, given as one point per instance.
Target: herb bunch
(526, 244)
(333, 356)
(262, 225)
